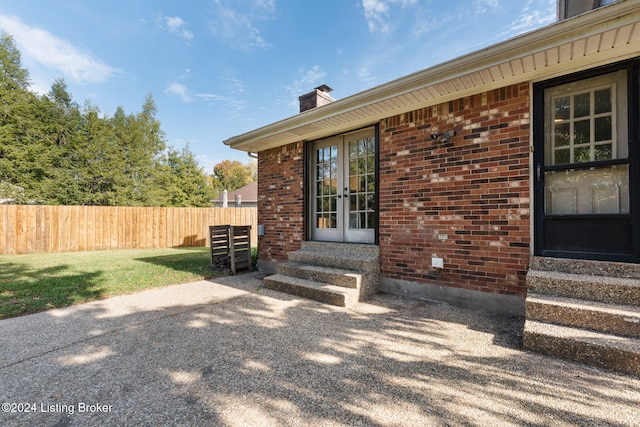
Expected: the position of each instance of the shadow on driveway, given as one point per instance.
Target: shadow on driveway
(229, 353)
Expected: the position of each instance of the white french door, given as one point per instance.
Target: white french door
(344, 188)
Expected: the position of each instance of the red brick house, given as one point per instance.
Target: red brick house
(503, 179)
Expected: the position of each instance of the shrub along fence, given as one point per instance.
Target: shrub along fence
(37, 229)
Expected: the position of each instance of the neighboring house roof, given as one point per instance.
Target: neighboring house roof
(599, 37)
(249, 193)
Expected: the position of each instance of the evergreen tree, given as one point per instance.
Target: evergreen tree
(184, 182)
(54, 152)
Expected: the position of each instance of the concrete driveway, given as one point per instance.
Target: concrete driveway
(228, 353)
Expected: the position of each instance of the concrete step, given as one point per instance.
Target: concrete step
(610, 290)
(607, 351)
(340, 260)
(322, 292)
(587, 267)
(332, 276)
(343, 248)
(607, 318)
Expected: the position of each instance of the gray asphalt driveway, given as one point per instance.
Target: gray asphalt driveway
(228, 353)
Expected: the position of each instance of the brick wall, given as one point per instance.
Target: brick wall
(281, 201)
(466, 200)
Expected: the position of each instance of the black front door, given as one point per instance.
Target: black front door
(586, 165)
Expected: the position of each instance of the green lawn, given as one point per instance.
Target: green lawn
(38, 282)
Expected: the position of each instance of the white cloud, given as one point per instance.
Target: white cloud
(377, 12)
(306, 81)
(236, 23)
(232, 105)
(533, 15)
(54, 53)
(482, 5)
(232, 84)
(179, 90)
(177, 26)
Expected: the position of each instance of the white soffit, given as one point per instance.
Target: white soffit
(605, 35)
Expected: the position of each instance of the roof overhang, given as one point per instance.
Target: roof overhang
(602, 36)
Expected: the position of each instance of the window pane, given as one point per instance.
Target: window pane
(362, 148)
(371, 183)
(353, 150)
(603, 152)
(353, 203)
(562, 156)
(603, 128)
(353, 183)
(371, 146)
(362, 202)
(334, 153)
(563, 135)
(582, 132)
(371, 221)
(362, 165)
(353, 221)
(603, 101)
(371, 167)
(561, 108)
(581, 105)
(582, 154)
(590, 191)
(370, 202)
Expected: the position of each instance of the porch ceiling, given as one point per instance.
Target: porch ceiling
(602, 36)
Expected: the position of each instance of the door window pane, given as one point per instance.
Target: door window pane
(326, 187)
(562, 109)
(361, 182)
(582, 124)
(603, 101)
(563, 135)
(582, 132)
(603, 130)
(582, 105)
(591, 191)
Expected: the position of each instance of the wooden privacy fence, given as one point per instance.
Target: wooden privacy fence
(37, 229)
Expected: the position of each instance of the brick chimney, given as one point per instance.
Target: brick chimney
(319, 97)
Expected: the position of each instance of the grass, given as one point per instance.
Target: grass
(38, 282)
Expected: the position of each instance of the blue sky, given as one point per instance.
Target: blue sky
(219, 68)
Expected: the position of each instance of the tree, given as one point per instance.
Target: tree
(25, 154)
(182, 181)
(231, 174)
(12, 75)
(54, 152)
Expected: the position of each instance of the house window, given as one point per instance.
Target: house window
(585, 144)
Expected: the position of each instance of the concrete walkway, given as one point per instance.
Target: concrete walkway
(229, 353)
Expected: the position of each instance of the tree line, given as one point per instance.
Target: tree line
(52, 151)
